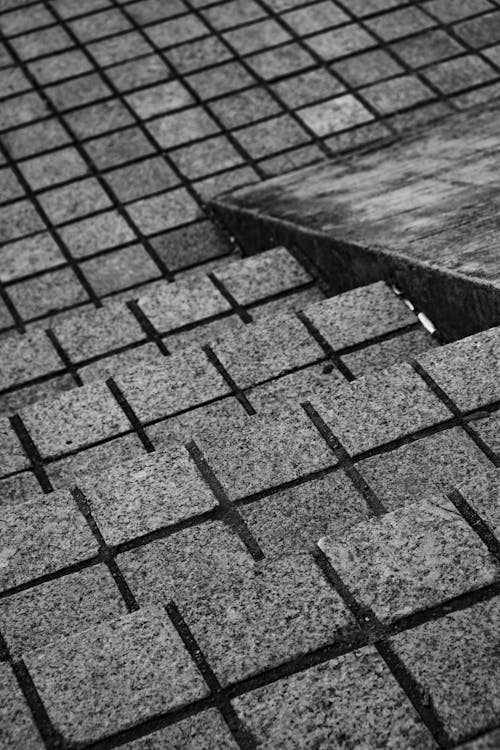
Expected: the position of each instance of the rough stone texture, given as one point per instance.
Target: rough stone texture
(185, 380)
(482, 492)
(265, 453)
(27, 356)
(387, 353)
(359, 315)
(454, 661)
(489, 741)
(411, 559)
(44, 614)
(488, 428)
(12, 455)
(146, 494)
(115, 675)
(406, 474)
(16, 726)
(83, 415)
(41, 536)
(381, 407)
(145, 355)
(290, 304)
(352, 701)
(281, 610)
(13, 401)
(204, 333)
(19, 488)
(206, 730)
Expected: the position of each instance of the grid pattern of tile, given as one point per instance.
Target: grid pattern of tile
(120, 119)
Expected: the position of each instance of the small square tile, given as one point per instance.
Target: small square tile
(38, 616)
(191, 56)
(482, 492)
(67, 9)
(294, 302)
(257, 36)
(159, 99)
(78, 91)
(163, 211)
(454, 661)
(398, 23)
(211, 155)
(204, 333)
(134, 73)
(95, 119)
(380, 356)
(478, 32)
(19, 488)
(336, 114)
(381, 407)
(29, 255)
(426, 48)
(83, 415)
(18, 727)
(449, 11)
(54, 67)
(38, 136)
(41, 536)
(306, 88)
(368, 67)
(211, 187)
(468, 370)
(13, 401)
(48, 293)
(146, 494)
(280, 61)
(281, 610)
(27, 356)
(115, 675)
(342, 41)
(12, 455)
(220, 80)
(245, 107)
(18, 21)
(119, 48)
(13, 81)
(18, 219)
(271, 136)
(181, 127)
(70, 202)
(315, 17)
(185, 380)
(89, 236)
(460, 73)
(119, 269)
(192, 244)
(97, 25)
(176, 30)
(58, 166)
(145, 355)
(148, 11)
(233, 13)
(488, 429)
(114, 149)
(41, 42)
(265, 452)
(397, 93)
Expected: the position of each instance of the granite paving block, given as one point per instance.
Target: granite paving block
(353, 701)
(358, 315)
(460, 73)
(186, 565)
(205, 333)
(291, 303)
(211, 155)
(368, 67)
(233, 13)
(48, 293)
(81, 197)
(222, 79)
(96, 119)
(342, 41)
(397, 93)
(186, 379)
(98, 331)
(88, 236)
(32, 138)
(146, 494)
(454, 661)
(74, 93)
(210, 187)
(80, 416)
(480, 31)
(398, 23)
(189, 245)
(59, 166)
(6, 320)
(380, 356)
(177, 30)
(27, 356)
(206, 729)
(164, 211)
(10, 188)
(488, 428)
(41, 615)
(12, 456)
(315, 17)
(21, 109)
(306, 88)
(99, 24)
(449, 11)
(18, 219)
(146, 355)
(183, 302)
(120, 269)
(440, 461)
(18, 488)
(266, 452)
(55, 67)
(381, 407)
(191, 56)
(335, 115)
(115, 675)
(134, 73)
(119, 48)
(257, 36)
(116, 148)
(41, 536)
(468, 370)
(160, 98)
(428, 47)
(29, 255)
(269, 136)
(18, 21)
(259, 276)
(181, 127)
(141, 179)
(147, 11)
(482, 492)
(12, 402)
(267, 349)
(17, 728)
(283, 609)
(411, 559)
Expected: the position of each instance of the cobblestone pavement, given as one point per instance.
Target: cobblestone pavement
(236, 511)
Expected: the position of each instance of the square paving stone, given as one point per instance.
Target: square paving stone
(353, 701)
(146, 494)
(257, 36)
(266, 349)
(26, 356)
(18, 488)
(192, 56)
(306, 88)
(54, 67)
(135, 73)
(77, 92)
(271, 136)
(488, 428)
(118, 48)
(58, 166)
(17, 219)
(147, 11)
(185, 380)
(315, 17)
(12, 456)
(335, 115)
(189, 245)
(426, 48)
(380, 356)
(186, 565)
(116, 148)
(381, 407)
(399, 23)
(141, 179)
(44, 614)
(411, 559)
(120, 269)
(454, 661)
(74, 200)
(482, 492)
(99, 24)
(293, 520)
(233, 13)
(95, 119)
(88, 236)
(265, 452)
(220, 80)
(289, 304)
(367, 67)
(204, 730)
(449, 11)
(407, 473)
(147, 355)
(274, 63)
(251, 279)
(98, 331)
(83, 415)
(17, 728)
(163, 211)
(177, 30)
(245, 107)
(282, 610)
(115, 675)
(460, 73)
(182, 302)
(204, 334)
(397, 93)
(358, 315)
(41, 536)
(480, 31)
(48, 293)
(160, 98)
(29, 255)
(343, 41)
(181, 127)
(468, 370)
(201, 159)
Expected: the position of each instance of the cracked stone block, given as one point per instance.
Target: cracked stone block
(282, 610)
(17, 728)
(185, 565)
(262, 275)
(185, 380)
(267, 349)
(42, 535)
(205, 730)
(27, 356)
(146, 494)
(379, 356)
(264, 453)
(80, 416)
(147, 355)
(182, 302)
(110, 677)
(482, 492)
(41, 615)
(293, 520)
(98, 331)
(29, 255)
(468, 370)
(381, 407)
(12, 455)
(18, 488)
(454, 662)
(439, 461)
(411, 559)
(358, 315)
(351, 701)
